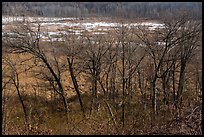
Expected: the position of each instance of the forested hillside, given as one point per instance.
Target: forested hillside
(82, 9)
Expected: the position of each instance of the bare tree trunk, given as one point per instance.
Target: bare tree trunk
(106, 93)
(76, 87)
(60, 88)
(113, 81)
(165, 82)
(94, 93)
(141, 88)
(174, 82)
(154, 96)
(16, 84)
(123, 85)
(66, 107)
(181, 83)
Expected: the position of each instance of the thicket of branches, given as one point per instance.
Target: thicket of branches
(129, 81)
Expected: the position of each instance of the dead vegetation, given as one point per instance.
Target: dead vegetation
(106, 84)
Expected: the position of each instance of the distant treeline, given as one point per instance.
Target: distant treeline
(153, 10)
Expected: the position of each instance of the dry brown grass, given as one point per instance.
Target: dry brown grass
(48, 117)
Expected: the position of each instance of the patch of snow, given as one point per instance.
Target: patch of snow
(57, 39)
(161, 43)
(49, 23)
(142, 45)
(99, 33)
(53, 39)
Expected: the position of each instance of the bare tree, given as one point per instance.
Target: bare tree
(73, 49)
(28, 41)
(13, 79)
(189, 38)
(92, 56)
